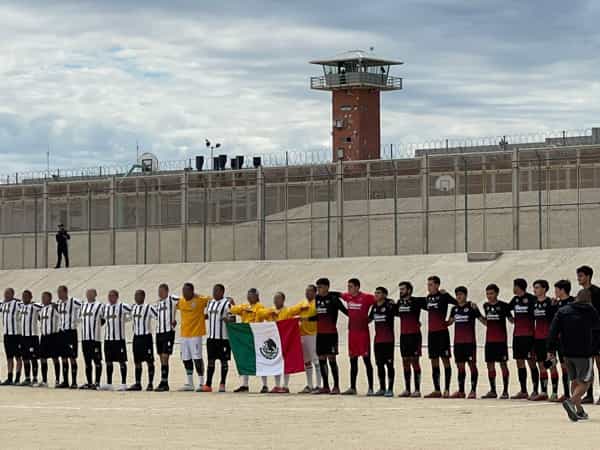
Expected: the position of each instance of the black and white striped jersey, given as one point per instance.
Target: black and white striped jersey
(30, 314)
(166, 309)
(115, 315)
(10, 317)
(91, 321)
(49, 319)
(69, 312)
(142, 316)
(217, 310)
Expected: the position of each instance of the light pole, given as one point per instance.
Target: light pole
(212, 148)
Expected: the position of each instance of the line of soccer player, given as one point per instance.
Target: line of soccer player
(38, 332)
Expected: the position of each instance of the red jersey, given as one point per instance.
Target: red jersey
(464, 323)
(358, 311)
(544, 313)
(496, 316)
(523, 310)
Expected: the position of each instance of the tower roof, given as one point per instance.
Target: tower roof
(363, 57)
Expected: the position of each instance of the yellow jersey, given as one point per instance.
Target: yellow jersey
(193, 323)
(247, 312)
(308, 322)
(275, 315)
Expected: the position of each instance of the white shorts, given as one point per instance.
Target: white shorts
(309, 348)
(191, 348)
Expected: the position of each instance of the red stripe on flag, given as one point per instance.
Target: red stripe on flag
(289, 333)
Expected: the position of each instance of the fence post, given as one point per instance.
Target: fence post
(425, 200)
(466, 201)
(578, 178)
(515, 198)
(395, 207)
(45, 223)
(145, 221)
(35, 229)
(113, 218)
(260, 211)
(340, 208)
(89, 219)
(184, 216)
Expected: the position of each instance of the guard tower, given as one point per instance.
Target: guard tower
(356, 78)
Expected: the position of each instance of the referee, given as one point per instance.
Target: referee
(577, 324)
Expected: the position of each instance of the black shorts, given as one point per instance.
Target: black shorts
(539, 350)
(327, 344)
(143, 349)
(30, 347)
(465, 352)
(438, 344)
(49, 344)
(12, 345)
(218, 349)
(67, 343)
(411, 345)
(164, 343)
(496, 352)
(115, 351)
(522, 347)
(560, 356)
(92, 351)
(384, 352)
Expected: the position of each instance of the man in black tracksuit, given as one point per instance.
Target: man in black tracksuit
(62, 245)
(578, 325)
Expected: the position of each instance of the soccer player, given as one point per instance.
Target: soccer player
(50, 340)
(409, 310)
(543, 312)
(69, 309)
(217, 344)
(584, 278)
(91, 323)
(496, 313)
(358, 304)
(563, 297)
(438, 338)
(383, 314)
(142, 315)
(166, 308)
(329, 305)
(463, 316)
(522, 305)
(30, 340)
(116, 314)
(249, 313)
(12, 337)
(308, 335)
(193, 328)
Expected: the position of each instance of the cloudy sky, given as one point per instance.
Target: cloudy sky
(88, 79)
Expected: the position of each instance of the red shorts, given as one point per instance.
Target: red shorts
(359, 343)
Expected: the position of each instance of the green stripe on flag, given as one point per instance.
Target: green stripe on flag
(241, 340)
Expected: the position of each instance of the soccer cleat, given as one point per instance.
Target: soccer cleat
(150, 387)
(322, 391)
(286, 390)
(553, 398)
(520, 396)
(34, 383)
(389, 393)
(472, 395)
(84, 387)
(73, 386)
(349, 391)
(504, 396)
(122, 387)
(222, 388)
(25, 382)
(598, 403)
(62, 386)
(415, 394)
(42, 384)
(315, 390)
(458, 394)
(370, 393)
(106, 387)
(491, 394)
(264, 390)
(186, 388)
(570, 409)
(276, 390)
(445, 394)
(306, 390)
(541, 397)
(587, 400)
(335, 391)
(204, 388)
(434, 394)
(135, 387)
(162, 387)
(379, 393)
(6, 383)
(404, 394)
(241, 389)
(582, 415)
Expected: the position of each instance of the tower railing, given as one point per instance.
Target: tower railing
(356, 79)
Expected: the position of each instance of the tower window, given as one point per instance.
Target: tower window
(349, 139)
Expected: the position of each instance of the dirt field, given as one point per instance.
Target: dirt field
(36, 418)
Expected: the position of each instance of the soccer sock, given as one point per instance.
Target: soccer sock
(109, 372)
(505, 379)
(353, 372)
(88, 372)
(369, 369)
(277, 380)
(44, 371)
(264, 380)
(407, 374)
(308, 370)
(57, 370)
(324, 372)
(189, 371)
(462, 375)
(335, 373)
(590, 391)
(224, 370)
(199, 365)
(392, 375)
(10, 376)
(34, 368)
(435, 374)
(544, 381)
(447, 377)
(17, 376)
(65, 371)
(554, 378)
(565, 382)
(73, 372)
(417, 370)
(138, 375)
(210, 371)
(522, 371)
(492, 378)
(123, 372)
(474, 378)
(535, 378)
(151, 370)
(98, 367)
(286, 381)
(164, 373)
(381, 375)
(27, 369)
(316, 365)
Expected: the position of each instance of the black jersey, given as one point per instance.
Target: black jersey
(524, 317)
(383, 315)
(328, 307)
(496, 315)
(409, 311)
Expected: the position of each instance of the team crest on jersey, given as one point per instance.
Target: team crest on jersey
(269, 349)
(525, 301)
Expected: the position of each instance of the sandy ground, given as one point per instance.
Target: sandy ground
(48, 418)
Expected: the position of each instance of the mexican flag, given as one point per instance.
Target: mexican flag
(266, 348)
